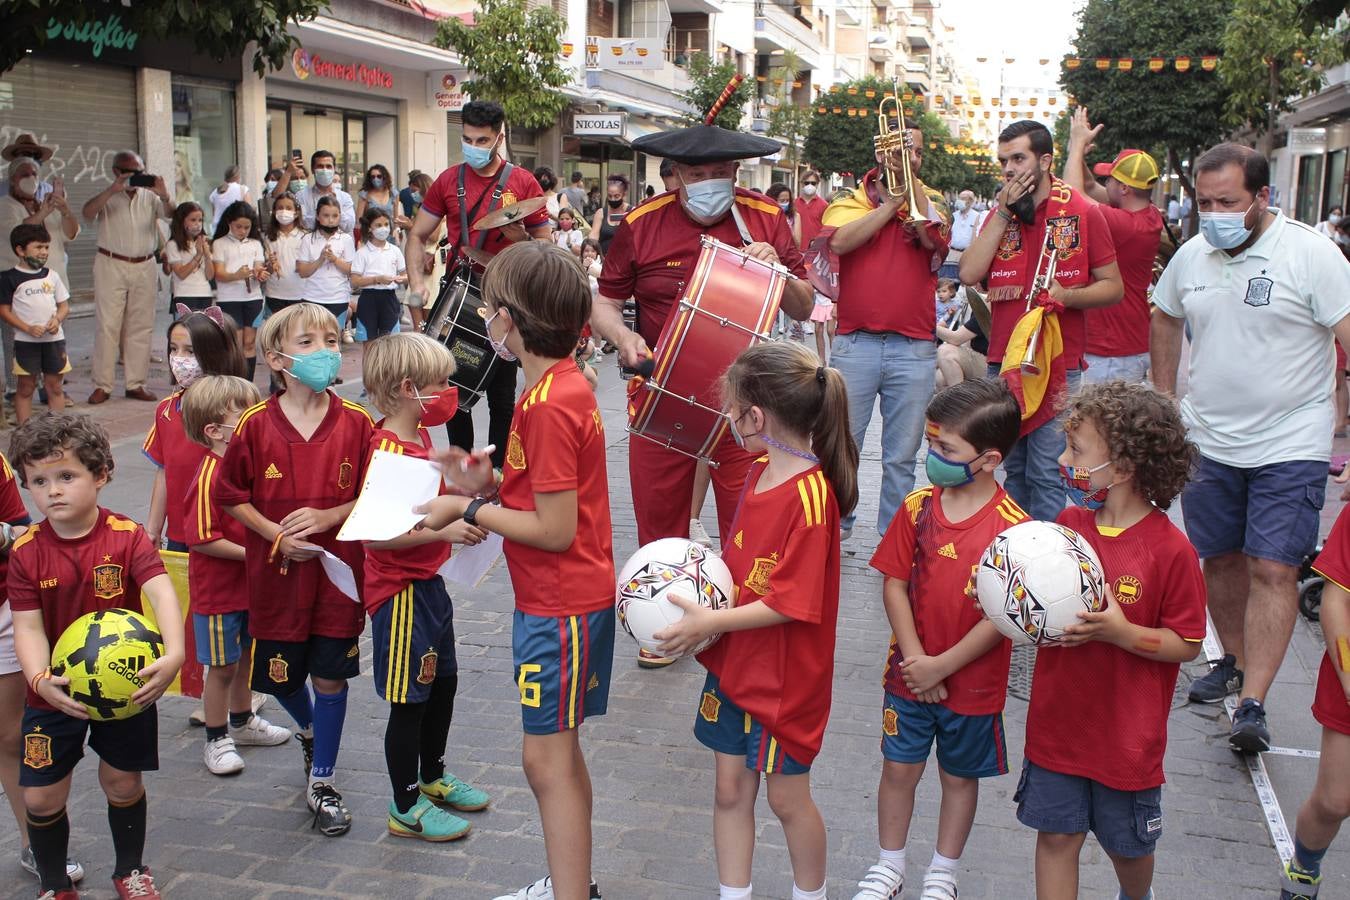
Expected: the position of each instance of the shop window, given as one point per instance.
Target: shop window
(1334, 194)
(203, 138)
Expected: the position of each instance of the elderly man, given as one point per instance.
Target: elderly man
(1257, 286)
(323, 169)
(125, 280)
(965, 222)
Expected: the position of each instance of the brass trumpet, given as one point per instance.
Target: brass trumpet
(889, 140)
(1040, 283)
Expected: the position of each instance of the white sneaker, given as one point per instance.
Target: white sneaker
(543, 890)
(845, 534)
(221, 758)
(939, 884)
(258, 732)
(74, 871)
(882, 882)
(698, 534)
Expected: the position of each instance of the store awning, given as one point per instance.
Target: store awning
(634, 129)
(380, 47)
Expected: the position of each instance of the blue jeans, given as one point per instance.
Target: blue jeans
(949, 270)
(1100, 369)
(902, 370)
(1031, 471)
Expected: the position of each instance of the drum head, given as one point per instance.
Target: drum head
(457, 320)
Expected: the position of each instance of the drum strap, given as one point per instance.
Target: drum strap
(746, 239)
(471, 215)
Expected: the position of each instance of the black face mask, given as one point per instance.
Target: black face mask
(1024, 208)
(615, 204)
(328, 229)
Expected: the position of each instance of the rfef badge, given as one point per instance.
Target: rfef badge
(1258, 291)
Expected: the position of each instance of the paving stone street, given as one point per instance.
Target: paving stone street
(250, 836)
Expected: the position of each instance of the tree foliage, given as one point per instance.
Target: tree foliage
(512, 51)
(709, 79)
(221, 29)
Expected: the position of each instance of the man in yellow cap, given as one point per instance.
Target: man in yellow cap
(1117, 336)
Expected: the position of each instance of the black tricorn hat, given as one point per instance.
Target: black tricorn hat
(706, 144)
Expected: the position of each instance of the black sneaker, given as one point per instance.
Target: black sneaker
(1224, 679)
(307, 748)
(1250, 734)
(330, 815)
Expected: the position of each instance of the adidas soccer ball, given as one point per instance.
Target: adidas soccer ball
(665, 566)
(100, 653)
(1034, 579)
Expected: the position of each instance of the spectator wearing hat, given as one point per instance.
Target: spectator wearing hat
(1117, 336)
(25, 146)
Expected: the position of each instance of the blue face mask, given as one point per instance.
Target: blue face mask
(947, 473)
(380, 233)
(323, 177)
(416, 197)
(376, 181)
(316, 370)
(709, 200)
(1225, 230)
(478, 157)
(297, 185)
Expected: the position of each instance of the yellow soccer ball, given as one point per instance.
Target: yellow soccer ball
(100, 653)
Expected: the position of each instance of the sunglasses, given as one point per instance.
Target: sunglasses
(812, 182)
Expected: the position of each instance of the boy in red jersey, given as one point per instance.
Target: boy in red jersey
(411, 616)
(1097, 725)
(210, 410)
(1320, 817)
(947, 673)
(554, 516)
(291, 475)
(81, 559)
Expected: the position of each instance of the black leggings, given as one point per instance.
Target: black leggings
(414, 740)
(501, 401)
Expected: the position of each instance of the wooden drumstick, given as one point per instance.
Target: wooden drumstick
(725, 98)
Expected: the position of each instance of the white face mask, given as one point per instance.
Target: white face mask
(28, 185)
(285, 217)
(808, 190)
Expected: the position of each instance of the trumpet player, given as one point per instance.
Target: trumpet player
(1038, 216)
(891, 235)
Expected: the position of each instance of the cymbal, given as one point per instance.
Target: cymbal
(508, 214)
(478, 257)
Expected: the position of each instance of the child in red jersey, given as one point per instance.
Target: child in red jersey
(767, 695)
(411, 617)
(947, 673)
(1320, 817)
(210, 411)
(1097, 725)
(554, 517)
(81, 559)
(291, 474)
(200, 343)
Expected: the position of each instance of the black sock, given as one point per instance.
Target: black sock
(400, 751)
(436, 726)
(215, 732)
(251, 365)
(239, 720)
(49, 837)
(127, 824)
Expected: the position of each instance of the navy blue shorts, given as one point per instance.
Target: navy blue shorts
(378, 310)
(1269, 512)
(221, 639)
(967, 746)
(53, 743)
(280, 668)
(1126, 823)
(726, 728)
(562, 668)
(413, 634)
(244, 312)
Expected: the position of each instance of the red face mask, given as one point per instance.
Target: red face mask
(439, 408)
(565, 224)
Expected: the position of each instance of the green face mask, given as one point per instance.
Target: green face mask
(945, 473)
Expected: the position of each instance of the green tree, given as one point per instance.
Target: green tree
(708, 80)
(511, 51)
(222, 29)
(1269, 60)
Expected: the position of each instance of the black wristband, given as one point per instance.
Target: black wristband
(471, 511)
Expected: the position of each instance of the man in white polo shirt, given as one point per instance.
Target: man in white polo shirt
(1265, 298)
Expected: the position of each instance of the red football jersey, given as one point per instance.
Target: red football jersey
(390, 571)
(1122, 328)
(65, 579)
(442, 199)
(271, 466)
(811, 212)
(1098, 711)
(785, 552)
(12, 509)
(168, 447)
(1333, 563)
(213, 582)
(936, 556)
(656, 246)
(557, 443)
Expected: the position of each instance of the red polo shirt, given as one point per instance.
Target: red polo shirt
(442, 199)
(1122, 328)
(812, 212)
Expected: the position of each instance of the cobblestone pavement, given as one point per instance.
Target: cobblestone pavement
(249, 836)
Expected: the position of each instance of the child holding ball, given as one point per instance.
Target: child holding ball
(767, 695)
(1097, 725)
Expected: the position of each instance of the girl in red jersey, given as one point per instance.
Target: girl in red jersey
(767, 696)
(1097, 725)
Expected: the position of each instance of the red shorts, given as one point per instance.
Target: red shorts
(1330, 706)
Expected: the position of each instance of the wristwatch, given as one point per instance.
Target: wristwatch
(471, 511)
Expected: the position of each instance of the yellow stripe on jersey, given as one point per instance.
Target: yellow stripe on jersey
(117, 523)
(539, 393)
(204, 523)
(389, 446)
(761, 205)
(149, 439)
(818, 494)
(400, 647)
(654, 203)
(246, 415)
(356, 407)
(26, 536)
(773, 755)
(6, 467)
(806, 500)
(1010, 511)
(575, 665)
(915, 500)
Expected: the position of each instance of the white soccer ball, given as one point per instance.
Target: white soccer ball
(1035, 578)
(656, 570)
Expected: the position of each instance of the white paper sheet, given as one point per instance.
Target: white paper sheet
(394, 485)
(340, 574)
(470, 565)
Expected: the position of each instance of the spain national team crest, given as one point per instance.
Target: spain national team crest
(890, 722)
(515, 452)
(1065, 235)
(107, 581)
(1258, 291)
(277, 669)
(37, 750)
(426, 673)
(709, 707)
(508, 198)
(758, 579)
(1010, 245)
(345, 475)
(1127, 589)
